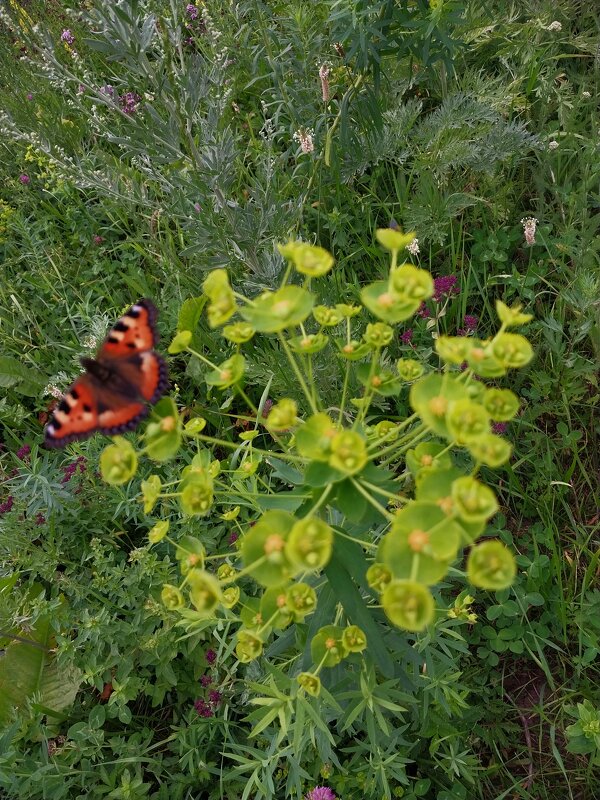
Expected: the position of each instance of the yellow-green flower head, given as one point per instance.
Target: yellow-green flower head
(118, 462)
(222, 300)
(491, 450)
(327, 646)
(453, 349)
(249, 646)
(180, 342)
(239, 332)
(327, 317)
(511, 317)
(512, 350)
(378, 576)
(408, 604)
(348, 452)
(409, 369)
(410, 283)
(310, 543)
(231, 596)
(282, 416)
(196, 497)
(378, 334)
(172, 597)
(467, 421)
(393, 238)
(491, 566)
(348, 311)
(354, 639)
(263, 548)
(310, 683)
(501, 404)
(307, 258)
(205, 591)
(473, 500)
(158, 532)
(190, 554)
(150, 492)
(301, 600)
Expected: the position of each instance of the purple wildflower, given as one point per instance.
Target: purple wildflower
(7, 505)
(24, 179)
(40, 519)
(197, 207)
(444, 286)
(98, 239)
(499, 427)
(203, 708)
(129, 102)
(205, 681)
(471, 322)
(80, 89)
(211, 656)
(215, 697)
(267, 408)
(320, 793)
(233, 537)
(29, 96)
(192, 11)
(108, 90)
(423, 311)
(407, 336)
(23, 452)
(67, 37)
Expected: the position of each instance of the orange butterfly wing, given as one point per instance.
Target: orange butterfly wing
(112, 394)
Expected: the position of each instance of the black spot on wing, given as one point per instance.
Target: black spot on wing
(113, 339)
(132, 345)
(64, 406)
(87, 408)
(74, 394)
(121, 327)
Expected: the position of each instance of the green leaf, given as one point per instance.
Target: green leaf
(24, 380)
(320, 474)
(351, 503)
(357, 611)
(190, 313)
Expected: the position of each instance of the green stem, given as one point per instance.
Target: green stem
(383, 511)
(297, 372)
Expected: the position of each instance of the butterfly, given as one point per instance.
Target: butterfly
(117, 387)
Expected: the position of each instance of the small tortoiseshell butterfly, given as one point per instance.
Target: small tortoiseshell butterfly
(114, 392)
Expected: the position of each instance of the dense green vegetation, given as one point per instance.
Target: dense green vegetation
(144, 145)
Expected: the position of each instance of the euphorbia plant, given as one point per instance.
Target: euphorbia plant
(379, 509)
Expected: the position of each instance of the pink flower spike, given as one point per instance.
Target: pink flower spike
(321, 793)
(24, 179)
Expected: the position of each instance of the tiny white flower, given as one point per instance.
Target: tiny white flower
(413, 247)
(586, 95)
(552, 145)
(304, 137)
(555, 26)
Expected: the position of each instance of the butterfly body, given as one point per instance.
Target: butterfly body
(113, 393)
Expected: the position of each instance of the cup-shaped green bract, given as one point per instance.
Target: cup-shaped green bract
(327, 317)
(272, 312)
(150, 492)
(228, 373)
(431, 397)
(222, 300)
(435, 486)
(231, 596)
(313, 439)
(239, 332)
(348, 452)
(473, 500)
(387, 305)
(194, 426)
(393, 239)
(180, 342)
(501, 404)
(301, 600)
(162, 437)
(190, 553)
(428, 455)
(421, 543)
(354, 639)
(282, 416)
(308, 343)
(511, 317)
(274, 607)
(308, 259)
(196, 495)
(310, 683)
(382, 381)
(408, 604)
(250, 613)
(172, 597)
(249, 646)
(411, 284)
(409, 369)
(467, 421)
(327, 647)
(491, 565)
(378, 576)
(352, 350)
(378, 335)
(453, 349)
(512, 350)
(482, 360)
(263, 548)
(309, 544)
(158, 532)
(118, 462)
(205, 591)
(491, 450)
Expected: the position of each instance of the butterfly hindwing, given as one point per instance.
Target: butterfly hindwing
(112, 394)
